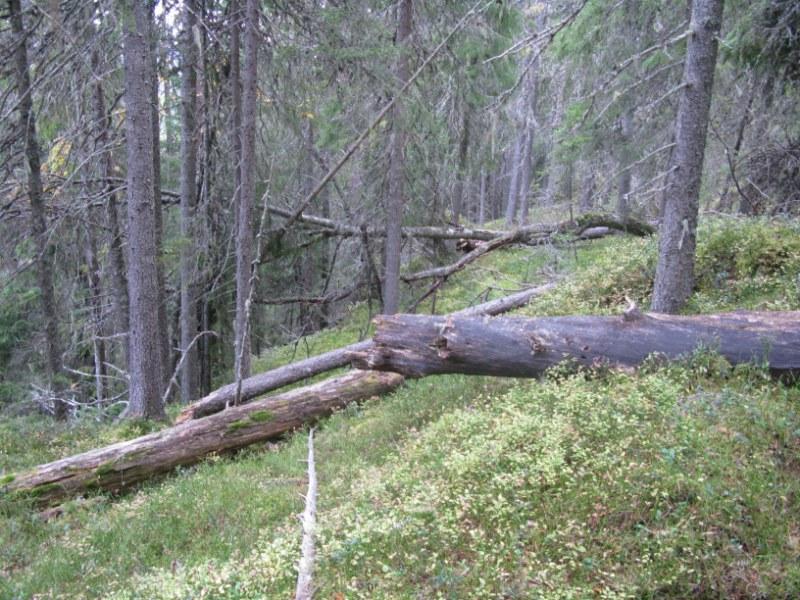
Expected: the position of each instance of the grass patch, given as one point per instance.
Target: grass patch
(677, 483)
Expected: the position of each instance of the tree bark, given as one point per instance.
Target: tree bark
(244, 237)
(587, 193)
(44, 250)
(188, 190)
(461, 173)
(422, 345)
(292, 373)
(145, 361)
(163, 324)
(529, 232)
(675, 270)
(119, 281)
(395, 200)
(122, 465)
(624, 181)
(513, 185)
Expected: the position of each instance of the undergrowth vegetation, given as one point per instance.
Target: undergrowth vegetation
(675, 481)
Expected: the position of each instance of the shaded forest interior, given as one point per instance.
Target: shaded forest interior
(223, 222)
(185, 185)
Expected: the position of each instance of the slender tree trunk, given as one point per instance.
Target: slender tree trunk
(146, 350)
(461, 175)
(569, 174)
(119, 282)
(188, 192)
(244, 237)
(482, 199)
(587, 193)
(163, 323)
(395, 200)
(96, 307)
(44, 250)
(675, 270)
(525, 181)
(623, 199)
(625, 152)
(513, 186)
(236, 101)
(724, 199)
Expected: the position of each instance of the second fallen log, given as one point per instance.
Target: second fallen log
(124, 464)
(417, 345)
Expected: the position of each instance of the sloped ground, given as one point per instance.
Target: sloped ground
(676, 482)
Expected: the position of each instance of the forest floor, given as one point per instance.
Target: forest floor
(672, 481)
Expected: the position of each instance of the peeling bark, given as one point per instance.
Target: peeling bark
(421, 345)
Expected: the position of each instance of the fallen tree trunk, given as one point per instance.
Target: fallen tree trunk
(124, 464)
(262, 383)
(513, 347)
(526, 234)
(480, 250)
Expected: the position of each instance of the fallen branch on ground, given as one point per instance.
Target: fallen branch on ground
(305, 569)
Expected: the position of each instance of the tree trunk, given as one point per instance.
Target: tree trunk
(675, 270)
(297, 371)
(188, 190)
(513, 185)
(395, 199)
(44, 250)
(528, 232)
(244, 237)
(525, 181)
(124, 464)
(733, 157)
(624, 191)
(163, 323)
(482, 199)
(119, 281)
(461, 173)
(421, 345)
(96, 307)
(146, 361)
(587, 193)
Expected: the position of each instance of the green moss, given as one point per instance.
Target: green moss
(41, 490)
(237, 425)
(6, 479)
(106, 468)
(261, 416)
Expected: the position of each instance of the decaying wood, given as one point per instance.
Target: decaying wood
(124, 464)
(527, 234)
(516, 347)
(480, 250)
(262, 383)
(305, 570)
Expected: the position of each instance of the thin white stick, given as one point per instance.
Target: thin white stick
(174, 379)
(305, 570)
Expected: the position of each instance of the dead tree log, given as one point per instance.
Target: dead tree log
(527, 234)
(480, 250)
(262, 383)
(124, 464)
(514, 347)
